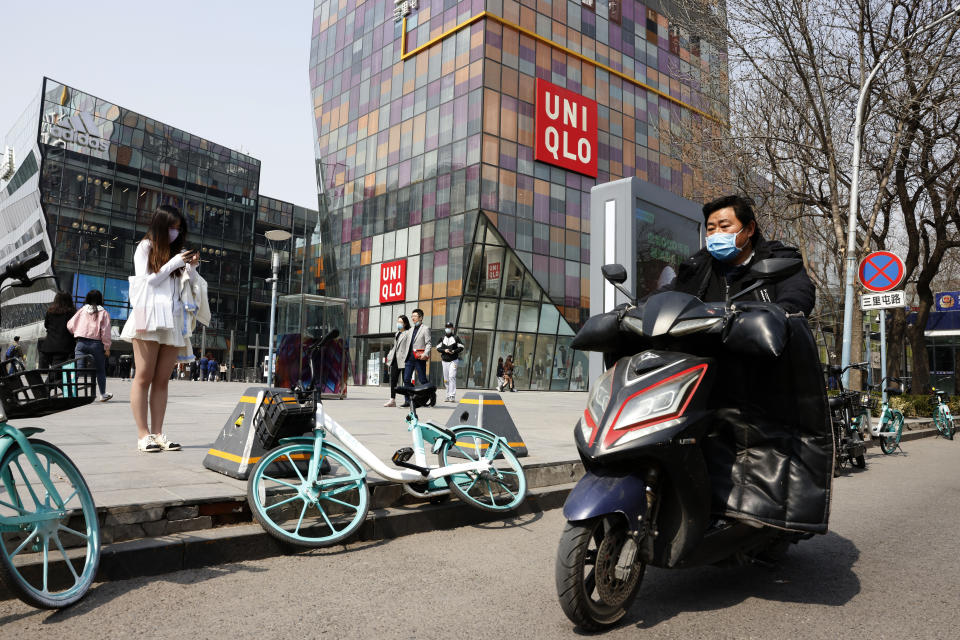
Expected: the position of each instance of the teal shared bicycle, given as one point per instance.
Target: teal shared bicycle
(49, 534)
(311, 492)
(889, 426)
(941, 415)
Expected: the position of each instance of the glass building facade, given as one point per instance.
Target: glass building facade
(88, 176)
(425, 127)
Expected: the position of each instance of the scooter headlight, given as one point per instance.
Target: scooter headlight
(657, 404)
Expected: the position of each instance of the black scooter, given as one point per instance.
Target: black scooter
(645, 498)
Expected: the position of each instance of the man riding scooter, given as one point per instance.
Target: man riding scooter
(707, 439)
(734, 242)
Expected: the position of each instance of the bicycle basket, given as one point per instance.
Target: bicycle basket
(35, 393)
(282, 416)
(868, 401)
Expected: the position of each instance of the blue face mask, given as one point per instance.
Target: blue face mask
(723, 246)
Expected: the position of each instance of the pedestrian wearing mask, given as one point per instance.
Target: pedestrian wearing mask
(450, 348)
(157, 323)
(90, 325)
(396, 367)
(417, 352)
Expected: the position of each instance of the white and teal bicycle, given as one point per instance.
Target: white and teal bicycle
(889, 426)
(941, 415)
(49, 533)
(311, 492)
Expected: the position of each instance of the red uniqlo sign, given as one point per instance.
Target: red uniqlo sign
(393, 281)
(493, 271)
(566, 129)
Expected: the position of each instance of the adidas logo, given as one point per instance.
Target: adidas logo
(80, 129)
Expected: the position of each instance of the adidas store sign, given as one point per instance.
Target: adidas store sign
(80, 130)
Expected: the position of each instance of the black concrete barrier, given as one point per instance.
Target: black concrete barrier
(486, 409)
(262, 416)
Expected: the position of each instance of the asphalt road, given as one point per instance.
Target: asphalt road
(890, 568)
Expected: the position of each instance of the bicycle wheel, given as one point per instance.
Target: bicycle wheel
(293, 510)
(939, 422)
(50, 562)
(500, 489)
(890, 433)
(949, 428)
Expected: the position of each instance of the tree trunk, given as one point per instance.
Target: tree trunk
(896, 334)
(918, 343)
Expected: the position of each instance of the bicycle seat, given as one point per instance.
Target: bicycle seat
(836, 402)
(407, 390)
(893, 392)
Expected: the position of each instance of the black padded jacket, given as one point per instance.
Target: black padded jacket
(707, 278)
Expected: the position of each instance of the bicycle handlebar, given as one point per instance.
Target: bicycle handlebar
(855, 365)
(18, 269)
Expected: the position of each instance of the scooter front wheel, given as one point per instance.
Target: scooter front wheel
(591, 595)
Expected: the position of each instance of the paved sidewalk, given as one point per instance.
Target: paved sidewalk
(101, 437)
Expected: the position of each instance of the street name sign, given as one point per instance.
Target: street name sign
(886, 300)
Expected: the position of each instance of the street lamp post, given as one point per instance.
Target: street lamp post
(274, 237)
(855, 195)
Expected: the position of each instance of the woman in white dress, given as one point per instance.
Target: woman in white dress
(156, 324)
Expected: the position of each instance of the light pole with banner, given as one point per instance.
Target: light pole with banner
(275, 237)
(854, 190)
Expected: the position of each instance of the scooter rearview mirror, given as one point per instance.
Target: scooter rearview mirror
(614, 273)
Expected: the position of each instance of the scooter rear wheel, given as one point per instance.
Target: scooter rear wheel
(590, 594)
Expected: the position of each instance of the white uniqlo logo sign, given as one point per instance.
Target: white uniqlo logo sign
(80, 129)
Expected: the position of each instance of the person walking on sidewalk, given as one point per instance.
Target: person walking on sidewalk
(202, 376)
(450, 348)
(90, 325)
(500, 379)
(508, 367)
(59, 345)
(417, 352)
(156, 323)
(212, 368)
(14, 352)
(403, 324)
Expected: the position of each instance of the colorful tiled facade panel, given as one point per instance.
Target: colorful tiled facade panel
(427, 150)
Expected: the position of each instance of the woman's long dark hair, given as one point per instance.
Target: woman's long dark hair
(405, 320)
(94, 298)
(62, 303)
(161, 249)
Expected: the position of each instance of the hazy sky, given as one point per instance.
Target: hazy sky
(234, 72)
